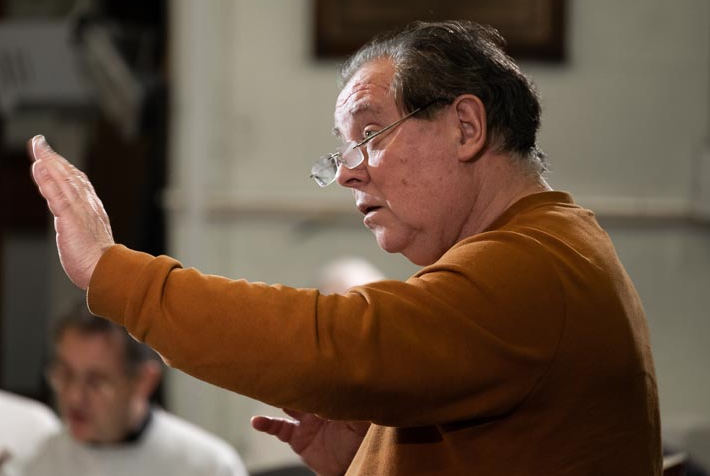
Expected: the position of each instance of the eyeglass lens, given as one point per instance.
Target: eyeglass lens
(325, 170)
(60, 380)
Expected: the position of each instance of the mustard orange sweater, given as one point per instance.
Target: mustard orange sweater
(523, 350)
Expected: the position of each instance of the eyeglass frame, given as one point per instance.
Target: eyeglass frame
(337, 155)
(61, 379)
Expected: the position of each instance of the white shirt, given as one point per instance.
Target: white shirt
(24, 425)
(168, 446)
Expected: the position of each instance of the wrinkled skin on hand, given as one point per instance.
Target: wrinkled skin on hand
(82, 225)
(327, 447)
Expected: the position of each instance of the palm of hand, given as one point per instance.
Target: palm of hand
(326, 446)
(314, 437)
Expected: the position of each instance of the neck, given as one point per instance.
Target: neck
(499, 183)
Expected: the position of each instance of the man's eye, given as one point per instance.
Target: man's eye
(368, 133)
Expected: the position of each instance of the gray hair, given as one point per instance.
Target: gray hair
(437, 62)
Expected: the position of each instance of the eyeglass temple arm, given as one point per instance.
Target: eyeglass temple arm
(382, 131)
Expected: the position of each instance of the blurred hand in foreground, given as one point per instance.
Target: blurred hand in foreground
(83, 228)
(327, 447)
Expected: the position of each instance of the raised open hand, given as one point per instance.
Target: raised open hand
(327, 447)
(83, 228)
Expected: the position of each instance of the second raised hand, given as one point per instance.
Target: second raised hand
(326, 446)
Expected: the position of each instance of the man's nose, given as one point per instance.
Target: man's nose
(353, 178)
(74, 393)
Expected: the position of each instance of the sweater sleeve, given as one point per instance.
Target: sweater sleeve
(466, 338)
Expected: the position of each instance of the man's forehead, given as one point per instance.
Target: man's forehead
(90, 346)
(359, 108)
(368, 91)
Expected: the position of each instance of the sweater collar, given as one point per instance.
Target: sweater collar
(530, 202)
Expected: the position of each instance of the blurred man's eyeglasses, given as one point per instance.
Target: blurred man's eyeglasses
(61, 379)
(350, 154)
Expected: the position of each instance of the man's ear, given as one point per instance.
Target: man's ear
(471, 120)
(149, 374)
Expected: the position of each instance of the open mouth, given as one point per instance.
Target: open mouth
(77, 418)
(367, 205)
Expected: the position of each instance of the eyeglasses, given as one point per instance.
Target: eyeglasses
(350, 154)
(61, 379)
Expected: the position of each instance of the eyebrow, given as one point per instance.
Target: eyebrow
(358, 109)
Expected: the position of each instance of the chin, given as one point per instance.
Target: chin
(416, 255)
(387, 242)
(421, 259)
(83, 434)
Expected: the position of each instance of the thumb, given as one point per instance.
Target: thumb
(260, 422)
(282, 429)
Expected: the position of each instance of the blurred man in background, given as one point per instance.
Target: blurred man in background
(103, 381)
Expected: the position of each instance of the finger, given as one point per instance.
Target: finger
(279, 427)
(41, 151)
(270, 424)
(70, 179)
(261, 423)
(31, 154)
(49, 189)
(39, 148)
(55, 186)
(32, 143)
(77, 186)
(65, 184)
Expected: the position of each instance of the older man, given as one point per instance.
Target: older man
(520, 348)
(103, 380)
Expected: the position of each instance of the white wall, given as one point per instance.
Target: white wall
(625, 123)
